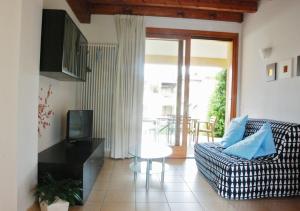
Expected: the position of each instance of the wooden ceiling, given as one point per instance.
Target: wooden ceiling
(222, 10)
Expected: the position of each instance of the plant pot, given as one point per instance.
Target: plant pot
(58, 205)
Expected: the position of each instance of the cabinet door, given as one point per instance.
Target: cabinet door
(82, 57)
(70, 48)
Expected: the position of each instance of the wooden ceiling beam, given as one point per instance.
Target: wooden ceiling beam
(167, 12)
(240, 6)
(81, 8)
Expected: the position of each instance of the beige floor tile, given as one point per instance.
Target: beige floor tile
(125, 169)
(122, 177)
(178, 197)
(192, 177)
(185, 189)
(96, 196)
(218, 206)
(121, 185)
(210, 200)
(101, 185)
(150, 197)
(248, 205)
(152, 207)
(173, 172)
(118, 207)
(86, 207)
(121, 164)
(104, 175)
(154, 185)
(107, 167)
(200, 185)
(176, 162)
(175, 178)
(175, 186)
(119, 196)
(288, 204)
(186, 207)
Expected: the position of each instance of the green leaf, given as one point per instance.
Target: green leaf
(217, 105)
(49, 189)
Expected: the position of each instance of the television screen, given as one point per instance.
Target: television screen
(79, 124)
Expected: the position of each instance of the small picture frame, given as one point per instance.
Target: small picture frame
(271, 72)
(285, 69)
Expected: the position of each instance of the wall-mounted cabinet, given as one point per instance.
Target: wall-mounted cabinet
(63, 48)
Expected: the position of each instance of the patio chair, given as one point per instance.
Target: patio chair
(208, 129)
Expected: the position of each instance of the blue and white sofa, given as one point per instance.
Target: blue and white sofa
(273, 176)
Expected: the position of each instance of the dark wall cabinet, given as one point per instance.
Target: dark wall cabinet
(63, 48)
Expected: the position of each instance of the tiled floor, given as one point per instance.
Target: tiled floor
(184, 190)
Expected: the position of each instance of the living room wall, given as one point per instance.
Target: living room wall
(19, 65)
(273, 25)
(63, 97)
(60, 101)
(102, 30)
(9, 56)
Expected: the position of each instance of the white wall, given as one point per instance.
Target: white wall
(19, 64)
(27, 100)
(64, 93)
(275, 24)
(62, 100)
(102, 30)
(19, 83)
(10, 11)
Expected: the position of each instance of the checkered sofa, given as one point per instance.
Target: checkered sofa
(273, 176)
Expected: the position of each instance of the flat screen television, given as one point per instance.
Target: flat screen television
(79, 124)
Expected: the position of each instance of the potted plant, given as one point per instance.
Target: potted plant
(57, 195)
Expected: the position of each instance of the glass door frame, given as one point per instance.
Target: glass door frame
(187, 36)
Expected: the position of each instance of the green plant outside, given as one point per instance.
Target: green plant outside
(49, 190)
(217, 105)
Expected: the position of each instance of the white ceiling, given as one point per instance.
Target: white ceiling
(199, 48)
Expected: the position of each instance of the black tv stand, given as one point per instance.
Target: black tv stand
(77, 140)
(79, 160)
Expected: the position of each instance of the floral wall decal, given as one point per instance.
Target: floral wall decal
(45, 110)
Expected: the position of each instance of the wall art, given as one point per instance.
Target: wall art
(45, 111)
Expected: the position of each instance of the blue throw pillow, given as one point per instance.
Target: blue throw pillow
(259, 144)
(268, 145)
(235, 132)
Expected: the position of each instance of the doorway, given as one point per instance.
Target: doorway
(164, 91)
(181, 76)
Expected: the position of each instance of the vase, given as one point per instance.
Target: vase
(58, 205)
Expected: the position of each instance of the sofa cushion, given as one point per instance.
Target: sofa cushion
(268, 145)
(256, 145)
(235, 131)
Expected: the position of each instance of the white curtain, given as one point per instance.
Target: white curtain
(128, 93)
(96, 93)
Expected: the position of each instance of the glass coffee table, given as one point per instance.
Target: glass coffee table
(143, 160)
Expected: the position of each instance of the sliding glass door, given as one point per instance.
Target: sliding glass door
(164, 93)
(188, 75)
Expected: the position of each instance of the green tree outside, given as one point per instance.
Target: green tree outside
(217, 105)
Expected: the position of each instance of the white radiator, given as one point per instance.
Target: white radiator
(97, 92)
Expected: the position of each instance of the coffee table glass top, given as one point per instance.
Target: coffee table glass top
(151, 151)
